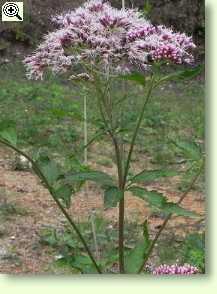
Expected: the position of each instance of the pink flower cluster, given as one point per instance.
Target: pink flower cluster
(101, 35)
(175, 270)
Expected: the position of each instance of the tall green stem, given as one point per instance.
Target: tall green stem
(50, 189)
(104, 111)
(122, 173)
(122, 183)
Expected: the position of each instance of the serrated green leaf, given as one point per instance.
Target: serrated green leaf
(151, 175)
(178, 210)
(9, 135)
(159, 201)
(50, 169)
(153, 198)
(95, 176)
(64, 192)
(189, 149)
(112, 196)
(83, 263)
(182, 74)
(136, 257)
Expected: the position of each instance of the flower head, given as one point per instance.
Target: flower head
(101, 35)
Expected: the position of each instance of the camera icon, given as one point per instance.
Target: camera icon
(12, 11)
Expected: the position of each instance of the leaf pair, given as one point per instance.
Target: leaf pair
(112, 194)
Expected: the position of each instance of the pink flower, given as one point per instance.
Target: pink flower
(175, 269)
(101, 35)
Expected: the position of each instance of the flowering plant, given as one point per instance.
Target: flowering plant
(98, 44)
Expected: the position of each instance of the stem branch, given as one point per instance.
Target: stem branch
(127, 166)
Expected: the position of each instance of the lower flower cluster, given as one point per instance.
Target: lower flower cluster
(175, 269)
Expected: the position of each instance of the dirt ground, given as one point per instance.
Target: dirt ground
(20, 247)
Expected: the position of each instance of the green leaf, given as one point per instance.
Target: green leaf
(9, 135)
(81, 260)
(50, 169)
(112, 196)
(110, 258)
(136, 257)
(189, 149)
(64, 192)
(159, 201)
(68, 240)
(136, 77)
(182, 74)
(95, 176)
(153, 198)
(49, 237)
(95, 138)
(151, 175)
(174, 208)
(83, 263)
